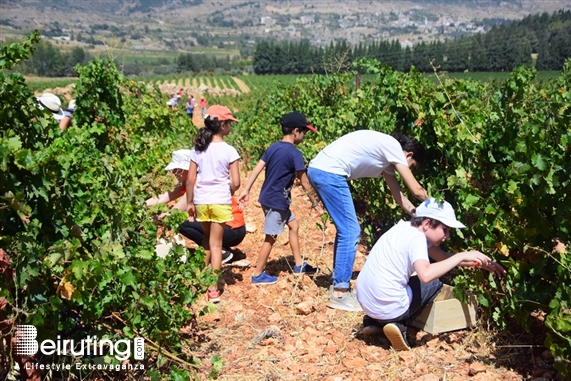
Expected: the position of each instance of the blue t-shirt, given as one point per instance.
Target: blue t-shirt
(283, 161)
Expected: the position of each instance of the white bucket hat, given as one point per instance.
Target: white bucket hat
(180, 160)
(442, 212)
(50, 101)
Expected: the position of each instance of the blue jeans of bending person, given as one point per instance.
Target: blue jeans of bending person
(336, 197)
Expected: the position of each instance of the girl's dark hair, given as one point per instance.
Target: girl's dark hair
(204, 136)
(410, 144)
(417, 221)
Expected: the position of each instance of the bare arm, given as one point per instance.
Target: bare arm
(438, 255)
(234, 176)
(396, 191)
(427, 272)
(190, 182)
(181, 204)
(410, 182)
(313, 198)
(244, 197)
(64, 123)
(167, 197)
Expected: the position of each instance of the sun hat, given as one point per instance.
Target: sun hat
(442, 212)
(296, 119)
(50, 101)
(180, 160)
(220, 112)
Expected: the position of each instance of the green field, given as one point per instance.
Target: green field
(38, 84)
(258, 83)
(145, 57)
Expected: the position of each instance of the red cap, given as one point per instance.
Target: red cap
(221, 113)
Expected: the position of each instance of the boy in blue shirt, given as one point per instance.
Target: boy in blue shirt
(283, 163)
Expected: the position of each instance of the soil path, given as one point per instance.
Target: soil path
(286, 331)
(242, 85)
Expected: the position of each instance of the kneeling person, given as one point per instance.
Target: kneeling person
(234, 231)
(389, 295)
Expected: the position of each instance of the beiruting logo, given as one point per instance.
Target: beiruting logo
(26, 344)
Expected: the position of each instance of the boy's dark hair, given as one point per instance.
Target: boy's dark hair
(286, 130)
(204, 136)
(417, 221)
(410, 144)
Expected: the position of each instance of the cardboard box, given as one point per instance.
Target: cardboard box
(446, 313)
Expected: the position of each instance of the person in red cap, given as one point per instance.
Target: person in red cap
(209, 196)
(283, 163)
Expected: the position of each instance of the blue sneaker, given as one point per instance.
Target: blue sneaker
(264, 279)
(305, 268)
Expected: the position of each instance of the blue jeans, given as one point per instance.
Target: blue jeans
(422, 295)
(336, 197)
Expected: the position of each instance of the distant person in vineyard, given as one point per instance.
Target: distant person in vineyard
(53, 104)
(173, 101)
(360, 154)
(209, 196)
(390, 296)
(203, 104)
(283, 163)
(234, 230)
(190, 107)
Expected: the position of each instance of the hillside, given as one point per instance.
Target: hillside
(179, 25)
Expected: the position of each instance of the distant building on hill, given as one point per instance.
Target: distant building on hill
(305, 20)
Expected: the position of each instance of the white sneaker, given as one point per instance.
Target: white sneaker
(348, 302)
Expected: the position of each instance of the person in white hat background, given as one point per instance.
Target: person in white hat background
(389, 294)
(178, 166)
(52, 103)
(234, 231)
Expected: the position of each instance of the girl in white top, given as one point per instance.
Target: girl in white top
(209, 196)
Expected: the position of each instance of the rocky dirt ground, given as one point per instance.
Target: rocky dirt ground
(286, 331)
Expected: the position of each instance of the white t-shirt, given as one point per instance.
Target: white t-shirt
(213, 181)
(359, 154)
(383, 282)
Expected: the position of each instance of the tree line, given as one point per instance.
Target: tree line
(48, 61)
(503, 48)
(189, 62)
